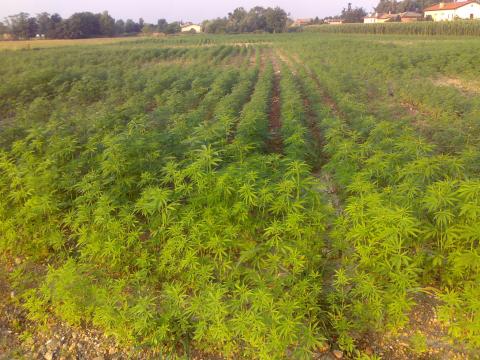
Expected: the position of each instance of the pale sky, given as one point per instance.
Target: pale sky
(173, 10)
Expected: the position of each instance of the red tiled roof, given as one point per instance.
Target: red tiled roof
(449, 6)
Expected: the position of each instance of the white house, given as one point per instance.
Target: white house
(455, 10)
(192, 28)
(370, 19)
(334, 21)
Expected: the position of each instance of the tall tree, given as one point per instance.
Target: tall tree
(216, 26)
(162, 25)
(131, 27)
(353, 15)
(32, 27)
(393, 6)
(119, 27)
(107, 24)
(44, 23)
(173, 28)
(256, 19)
(276, 20)
(83, 25)
(236, 20)
(21, 26)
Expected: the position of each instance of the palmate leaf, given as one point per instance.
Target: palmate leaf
(469, 191)
(153, 200)
(440, 195)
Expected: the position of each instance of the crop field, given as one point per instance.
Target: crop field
(297, 196)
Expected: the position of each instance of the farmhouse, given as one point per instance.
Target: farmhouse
(410, 16)
(302, 22)
(370, 19)
(334, 21)
(192, 28)
(379, 18)
(455, 10)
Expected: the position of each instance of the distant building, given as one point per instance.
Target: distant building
(410, 16)
(376, 18)
(334, 21)
(370, 19)
(302, 22)
(455, 10)
(191, 28)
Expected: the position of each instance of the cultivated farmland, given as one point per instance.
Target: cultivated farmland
(266, 196)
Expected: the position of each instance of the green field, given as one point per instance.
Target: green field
(262, 196)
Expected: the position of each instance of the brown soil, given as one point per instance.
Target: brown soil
(312, 123)
(326, 98)
(423, 323)
(22, 339)
(466, 87)
(253, 57)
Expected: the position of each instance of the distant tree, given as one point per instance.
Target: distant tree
(57, 23)
(353, 15)
(216, 26)
(107, 24)
(394, 7)
(162, 25)
(32, 27)
(44, 23)
(20, 26)
(131, 27)
(148, 29)
(387, 6)
(236, 20)
(254, 20)
(3, 28)
(173, 28)
(83, 25)
(119, 27)
(276, 20)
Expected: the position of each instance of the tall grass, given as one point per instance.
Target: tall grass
(456, 28)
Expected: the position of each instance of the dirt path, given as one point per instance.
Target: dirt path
(423, 338)
(326, 98)
(253, 56)
(275, 143)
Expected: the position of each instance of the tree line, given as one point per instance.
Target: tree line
(87, 25)
(79, 25)
(395, 7)
(257, 19)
